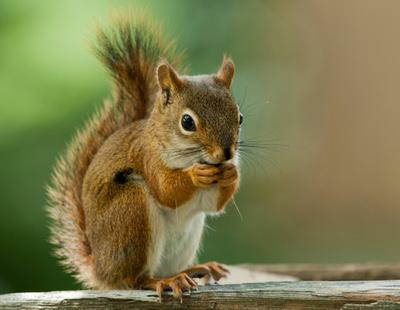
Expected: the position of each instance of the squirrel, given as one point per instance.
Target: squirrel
(128, 200)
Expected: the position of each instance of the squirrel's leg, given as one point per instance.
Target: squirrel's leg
(228, 184)
(174, 187)
(178, 284)
(208, 271)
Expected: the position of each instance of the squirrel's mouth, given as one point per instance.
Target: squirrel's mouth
(211, 160)
(205, 162)
(214, 163)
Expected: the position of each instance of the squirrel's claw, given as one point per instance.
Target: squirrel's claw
(229, 175)
(204, 175)
(177, 284)
(207, 271)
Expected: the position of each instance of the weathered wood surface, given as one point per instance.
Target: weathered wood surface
(270, 295)
(334, 272)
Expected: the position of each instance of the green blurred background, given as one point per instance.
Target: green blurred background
(319, 78)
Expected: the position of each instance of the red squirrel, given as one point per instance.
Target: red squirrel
(128, 200)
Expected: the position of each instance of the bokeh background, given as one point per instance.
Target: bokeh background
(318, 82)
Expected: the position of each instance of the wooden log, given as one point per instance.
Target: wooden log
(334, 272)
(275, 295)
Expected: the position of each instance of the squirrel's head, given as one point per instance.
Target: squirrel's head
(199, 115)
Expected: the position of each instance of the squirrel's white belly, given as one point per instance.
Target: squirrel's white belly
(176, 233)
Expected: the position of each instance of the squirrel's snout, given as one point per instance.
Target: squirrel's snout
(227, 153)
(220, 154)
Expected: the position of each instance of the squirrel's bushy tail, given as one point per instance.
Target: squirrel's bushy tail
(130, 49)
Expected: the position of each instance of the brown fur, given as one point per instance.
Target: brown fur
(131, 62)
(102, 188)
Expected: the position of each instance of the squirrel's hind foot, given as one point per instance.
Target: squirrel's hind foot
(208, 271)
(178, 284)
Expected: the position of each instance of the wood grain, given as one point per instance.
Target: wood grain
(335, 272)
(275, 295)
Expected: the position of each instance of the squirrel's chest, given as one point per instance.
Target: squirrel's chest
(176, 233)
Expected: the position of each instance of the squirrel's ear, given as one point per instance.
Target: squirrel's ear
(168, 79)
(226, 72)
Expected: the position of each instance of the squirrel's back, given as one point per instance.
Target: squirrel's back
(130, 50)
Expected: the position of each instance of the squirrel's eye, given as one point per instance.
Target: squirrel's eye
(240, 118)
(188, 123)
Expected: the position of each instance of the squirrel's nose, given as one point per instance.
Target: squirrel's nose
(227, 153)
(222, 154)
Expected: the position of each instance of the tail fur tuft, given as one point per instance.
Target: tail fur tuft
(129, 51)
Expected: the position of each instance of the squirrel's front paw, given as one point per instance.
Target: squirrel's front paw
(204, 175)
(229, 175)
